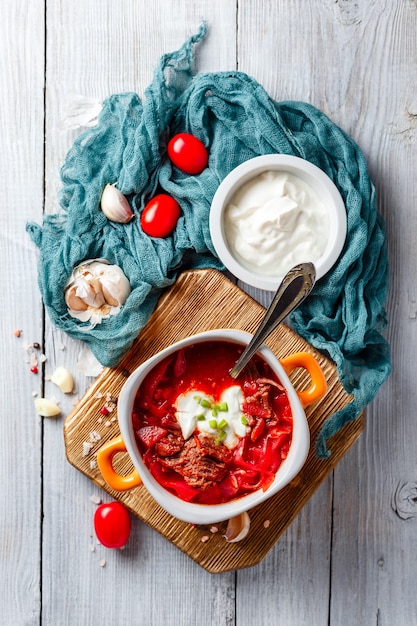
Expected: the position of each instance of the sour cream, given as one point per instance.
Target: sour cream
(223, 419)
(274, 221)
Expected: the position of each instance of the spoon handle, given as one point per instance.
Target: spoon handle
(295, 287)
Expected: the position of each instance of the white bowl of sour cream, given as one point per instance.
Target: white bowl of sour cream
(273, 212)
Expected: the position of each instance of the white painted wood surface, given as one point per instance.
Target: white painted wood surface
(351, 556)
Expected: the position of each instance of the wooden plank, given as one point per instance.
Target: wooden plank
(356, 62)
(279, 45)
(97, 49)
(376, 511)
(21, 179)
(203, 300)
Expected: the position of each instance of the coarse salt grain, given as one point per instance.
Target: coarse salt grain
(102, 563)
(93, 464)
(267, 522)
(98, 394)
(87, 448)
(94, 436)
(107, 424)
(92, 547)
(205, 538)
(95, 499)
(214, 529)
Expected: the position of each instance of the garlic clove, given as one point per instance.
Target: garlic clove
(73, 301)
(115, 284)
(63, 378)
(115, 205)
(237, 528)
(94, 294)
(46, 408)
(108, 297)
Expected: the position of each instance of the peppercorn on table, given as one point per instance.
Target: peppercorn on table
(339, 547)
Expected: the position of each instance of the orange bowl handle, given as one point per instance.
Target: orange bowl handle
(318, 386)
(105, 463)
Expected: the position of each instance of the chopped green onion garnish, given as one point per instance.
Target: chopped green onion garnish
(213, 423)
(221, 436)
(214, 411)
(244, 420)
(222, 424)
(197, 398)
(201, 417)
(205, 403)
(223, 406)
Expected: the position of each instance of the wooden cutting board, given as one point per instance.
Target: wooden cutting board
(203, 300)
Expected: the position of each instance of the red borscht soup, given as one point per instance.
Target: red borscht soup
(206, 437)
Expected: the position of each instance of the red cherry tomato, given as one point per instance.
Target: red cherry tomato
(160, 215)
(188, 153)
(112, 524)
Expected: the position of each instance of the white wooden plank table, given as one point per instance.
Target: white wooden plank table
(351, 555)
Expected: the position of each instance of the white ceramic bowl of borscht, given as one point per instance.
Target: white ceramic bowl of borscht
(207, 446)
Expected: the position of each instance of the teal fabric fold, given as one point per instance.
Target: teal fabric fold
(236, 119)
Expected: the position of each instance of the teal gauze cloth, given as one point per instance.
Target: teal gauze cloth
(236, 120)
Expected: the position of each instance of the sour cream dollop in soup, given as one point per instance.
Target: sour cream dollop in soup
(274, 221)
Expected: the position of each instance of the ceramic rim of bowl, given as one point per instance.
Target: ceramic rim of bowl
(310, 174)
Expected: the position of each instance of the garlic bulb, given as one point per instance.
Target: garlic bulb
(115, 206)
(96, 290)
(237, 528)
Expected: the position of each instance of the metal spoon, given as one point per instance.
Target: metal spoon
(295, 287)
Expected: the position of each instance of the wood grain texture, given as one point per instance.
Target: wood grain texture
(350, 556)
(97, 49)
(357, 62)
(21, 179)
(205, 300)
